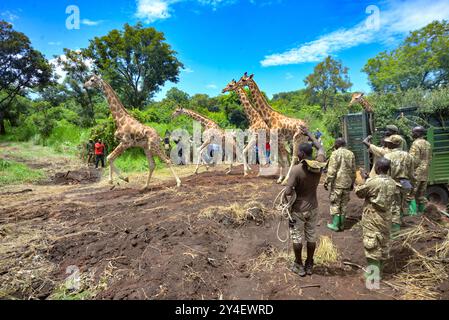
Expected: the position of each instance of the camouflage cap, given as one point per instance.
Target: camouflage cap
(394, 139)
(393, 128)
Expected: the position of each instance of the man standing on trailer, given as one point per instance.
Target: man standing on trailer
(421, 151)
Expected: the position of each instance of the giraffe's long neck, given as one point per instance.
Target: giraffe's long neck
(118, 111)
(264, 109)
(366, 105)
(251, 113)
(201, 119)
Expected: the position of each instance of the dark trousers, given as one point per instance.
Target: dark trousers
(98, 158)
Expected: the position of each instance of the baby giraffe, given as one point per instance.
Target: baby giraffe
(130, 133)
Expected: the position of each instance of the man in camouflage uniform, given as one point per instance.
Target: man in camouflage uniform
(304, 180)
(378, 193)
(402, 171)
(394, 130)
(377, 152)
(340, 181)
(421, 151)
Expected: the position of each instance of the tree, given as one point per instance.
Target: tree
(327, 80)
(421, 61)
(21, 68)
(137, 61)
(180, 97)
(78, 70)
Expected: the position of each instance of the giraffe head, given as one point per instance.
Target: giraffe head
(245, 80)
(179, 111)
(356, 98)
(93, 82)
(232, 86)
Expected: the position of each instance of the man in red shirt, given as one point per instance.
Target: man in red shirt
(99, 153)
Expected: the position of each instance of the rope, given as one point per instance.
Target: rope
(283, 204)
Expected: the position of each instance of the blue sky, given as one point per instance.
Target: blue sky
(280, 41)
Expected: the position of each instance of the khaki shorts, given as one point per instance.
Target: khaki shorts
(303, 226)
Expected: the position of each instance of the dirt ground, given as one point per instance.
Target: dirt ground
(169, 243)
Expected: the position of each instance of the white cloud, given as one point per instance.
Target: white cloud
(60, 72)
(9, 16)
(289, 76)
(90, 23)
(58, 69)
(212, 86)
(396, 20)
(153, 10)
(188, 70)
(55, 43)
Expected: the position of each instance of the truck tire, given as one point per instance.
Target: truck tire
(438, 194)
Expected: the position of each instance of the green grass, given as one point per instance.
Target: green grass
(16, 173)
(134, 160)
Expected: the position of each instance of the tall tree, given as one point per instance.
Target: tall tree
(421, 61)
(328, 79)
(136, 60)
(21, 68)
(78, 70)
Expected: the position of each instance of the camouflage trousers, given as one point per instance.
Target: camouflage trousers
(399, 206)
(303, 226)
(339, 199)
(419, 193)
(376, 235)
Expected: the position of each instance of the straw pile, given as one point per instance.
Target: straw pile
(426, 270)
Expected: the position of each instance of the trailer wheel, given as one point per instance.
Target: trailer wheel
(438, 194)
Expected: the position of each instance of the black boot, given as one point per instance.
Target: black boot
(311, 246)
(298, 267)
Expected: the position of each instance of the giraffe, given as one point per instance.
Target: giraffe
(289, 129)
(257, 124)
(359, 97)
(130, 133)
(212, 132)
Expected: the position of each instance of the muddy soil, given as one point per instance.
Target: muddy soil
(155, 244)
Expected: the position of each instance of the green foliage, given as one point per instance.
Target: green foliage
(327, 80)
(136, 60)
(16, 173)
(21, 68)
(422, 61)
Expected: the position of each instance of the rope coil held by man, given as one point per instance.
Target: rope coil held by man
(283, 205)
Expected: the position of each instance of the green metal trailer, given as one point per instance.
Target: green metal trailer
(356, 127)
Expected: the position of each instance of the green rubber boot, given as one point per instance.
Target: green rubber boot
(335, 225)
(372, 266)
(421, 209)
(412, 208)
(341, 227)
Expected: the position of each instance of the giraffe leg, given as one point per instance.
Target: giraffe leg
(151, 166)
(246, 166)
(283, 162)
(111, 158)
(200, 154)
(158, 152)
(232, 145)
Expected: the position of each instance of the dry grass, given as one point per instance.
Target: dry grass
(24, 268)
(237, 214)
(326, 255)
(424, 271)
